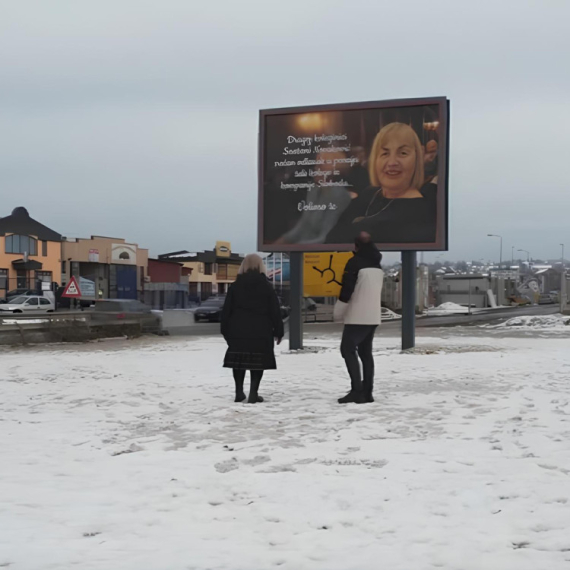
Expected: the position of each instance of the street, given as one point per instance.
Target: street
(392, 328)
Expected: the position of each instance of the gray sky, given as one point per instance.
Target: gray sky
(138, 119)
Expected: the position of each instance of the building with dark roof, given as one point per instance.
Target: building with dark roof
(30, 253)
(212, 270)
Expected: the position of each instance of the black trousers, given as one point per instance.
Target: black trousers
(357, 343)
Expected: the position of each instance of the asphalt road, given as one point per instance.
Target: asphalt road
(393, 328)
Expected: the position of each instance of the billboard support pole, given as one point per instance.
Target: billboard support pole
(408, 299)
(295, 320)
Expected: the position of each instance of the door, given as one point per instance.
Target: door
(21, 279)
(45, 305)
(126, 282)
(31, 305)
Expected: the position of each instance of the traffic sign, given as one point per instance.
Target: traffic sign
(322, 273)
(72, 289)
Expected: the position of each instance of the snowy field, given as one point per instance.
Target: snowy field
(132, 456)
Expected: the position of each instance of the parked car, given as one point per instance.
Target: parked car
(210, 310)
(29, 304)
(545, 299)
(18, 293)
(555, 296)
(107, 310)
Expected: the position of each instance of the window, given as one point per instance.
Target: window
(3, 279)
(21, 244)
(33, 301)
(44, 302)
(208, 269)
(44, 248)
(222, 271)
(63, 267)
(43, 276)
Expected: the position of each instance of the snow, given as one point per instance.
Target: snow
(537, 322)
(131, 455)
(180, 255)
(448, 308)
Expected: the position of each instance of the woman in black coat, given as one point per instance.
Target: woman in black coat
(251, 319)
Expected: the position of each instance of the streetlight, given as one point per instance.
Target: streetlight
(562, 281)
(501, 250)
(527, 254)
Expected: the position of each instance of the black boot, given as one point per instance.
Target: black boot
(254, 397)
(353, 397)
(239, 376)
(368, 387)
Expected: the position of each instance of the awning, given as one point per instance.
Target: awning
(27, 265)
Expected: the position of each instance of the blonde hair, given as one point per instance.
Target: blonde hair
(252, 262)
(383, 134)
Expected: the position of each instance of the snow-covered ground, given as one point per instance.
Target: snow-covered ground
(537, 322)
(132, 456)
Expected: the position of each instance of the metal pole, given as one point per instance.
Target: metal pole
(562, 281)
(469, 281)
(295, 320)
(273, 264)
(501, 254)
(408, 299)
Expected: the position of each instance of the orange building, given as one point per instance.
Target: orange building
(30, 253)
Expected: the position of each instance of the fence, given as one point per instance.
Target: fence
(67, 327)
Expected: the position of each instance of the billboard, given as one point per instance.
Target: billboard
(328, 172)
(322, 273)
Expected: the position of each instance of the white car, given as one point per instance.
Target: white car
(28, 304)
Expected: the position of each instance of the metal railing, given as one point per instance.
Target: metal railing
(68, 326)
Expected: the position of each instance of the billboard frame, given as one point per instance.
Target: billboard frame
(442, 241)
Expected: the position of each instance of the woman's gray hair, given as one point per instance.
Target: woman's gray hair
(252, 262)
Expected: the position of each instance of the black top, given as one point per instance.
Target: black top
(251, 309)
(19, 222)
(399, 220)
(367, 256)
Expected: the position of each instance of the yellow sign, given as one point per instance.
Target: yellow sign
(322, 273)
(223, 248)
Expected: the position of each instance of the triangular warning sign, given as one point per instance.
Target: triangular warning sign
(72, 289)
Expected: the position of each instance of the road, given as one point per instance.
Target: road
(392, 328)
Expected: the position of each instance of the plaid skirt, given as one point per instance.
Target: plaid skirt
(249, 354)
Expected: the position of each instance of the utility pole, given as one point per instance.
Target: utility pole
(562, 281)
(500, 250)
(500, 262)
(527, 255)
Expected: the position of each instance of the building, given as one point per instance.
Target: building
(167, 285)
(105, 267)
(30, 253)
(392, 289)
(211, 271)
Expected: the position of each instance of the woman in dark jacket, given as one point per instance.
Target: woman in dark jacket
(251, 319)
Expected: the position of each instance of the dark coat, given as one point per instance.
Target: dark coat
(251, 317)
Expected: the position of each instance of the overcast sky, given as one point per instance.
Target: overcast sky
(138, 119)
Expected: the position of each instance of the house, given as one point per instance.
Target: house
(105, 267)
(167, 285)
(30, 253)
(212, 271)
